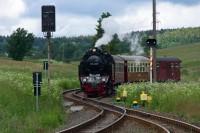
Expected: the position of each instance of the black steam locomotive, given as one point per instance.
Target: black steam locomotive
(99, 71)
(95, 72)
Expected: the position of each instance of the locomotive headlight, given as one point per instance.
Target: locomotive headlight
(83, 79)
(94, 50)
(104, 79)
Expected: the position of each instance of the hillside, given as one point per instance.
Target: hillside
(189, 54)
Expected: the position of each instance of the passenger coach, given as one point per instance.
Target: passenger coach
(130, 69)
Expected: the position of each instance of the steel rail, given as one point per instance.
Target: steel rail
(125, 116)
(175, 122)
(85, 123)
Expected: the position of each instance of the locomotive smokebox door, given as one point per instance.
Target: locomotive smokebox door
(48, 18)
(151, 42)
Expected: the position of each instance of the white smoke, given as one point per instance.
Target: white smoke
(110, 27)
(135, 40)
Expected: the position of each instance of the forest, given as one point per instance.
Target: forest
(72, 48)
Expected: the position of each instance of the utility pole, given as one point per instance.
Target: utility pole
(49, 57)
(154, 37)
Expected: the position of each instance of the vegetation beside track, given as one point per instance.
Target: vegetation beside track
(17, 103)
(182, 98)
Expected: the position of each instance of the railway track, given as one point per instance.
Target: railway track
(173, 126)
(109, 119)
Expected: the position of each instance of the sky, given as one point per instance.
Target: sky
(79, 17)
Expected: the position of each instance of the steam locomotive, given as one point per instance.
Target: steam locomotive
(100, 71)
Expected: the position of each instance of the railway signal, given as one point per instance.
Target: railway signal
(152, 43)
(48, 18)
(48, 26)
(37, 81)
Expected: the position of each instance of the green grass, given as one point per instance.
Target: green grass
(17, 103)
(180, 98)
(189, 54)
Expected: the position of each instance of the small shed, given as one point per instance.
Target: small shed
(168, 68)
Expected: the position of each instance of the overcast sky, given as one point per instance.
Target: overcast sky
(79, 17)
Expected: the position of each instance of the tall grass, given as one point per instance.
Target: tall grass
(182, 99)
(17, 103)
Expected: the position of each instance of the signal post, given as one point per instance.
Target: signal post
(48, 27)
(152, 44)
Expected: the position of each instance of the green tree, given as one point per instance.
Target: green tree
(99, 28)
(117, 46)
(19, 44)
(114, 45)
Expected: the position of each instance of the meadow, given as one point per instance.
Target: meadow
(17, 103)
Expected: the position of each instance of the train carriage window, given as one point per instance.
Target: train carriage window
(117, 67)
(172, 65)
(157, 65)
(120, 67)
(177, 65)
(132, 67)
(137, 67)
(145, 67)
(142, 67)
(129, 67)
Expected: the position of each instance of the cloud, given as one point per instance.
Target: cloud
(33, 25)
(74, 25)
(129, 15)
(11, 8)
(169, 15)
(174, 15)
(133, 17)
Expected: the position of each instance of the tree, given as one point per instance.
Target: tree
(117, 46)
(19, 44)
(99, 28)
